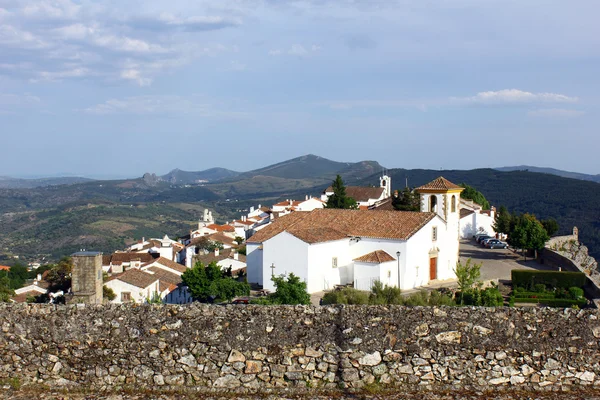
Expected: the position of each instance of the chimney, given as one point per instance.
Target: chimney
(259, 207)
(290, 202)
(38, 277)
(216, 252)
(235, 256)
(306, 197)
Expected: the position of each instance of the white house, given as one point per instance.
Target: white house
(134, 285)
(365, 196)
(224, 258)
(328, 247)
(473, 219)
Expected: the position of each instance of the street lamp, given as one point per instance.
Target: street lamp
(398, 256)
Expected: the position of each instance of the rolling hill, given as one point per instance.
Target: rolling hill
(553, 171)
(16, 183)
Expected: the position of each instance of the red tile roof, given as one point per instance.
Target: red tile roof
(465, 212)
(376, 257)
(137, 278)
(165, 276)
(165, 262)
(322, 225)
(4, 268)
(118, 258)
(440, 183)
(361, 193)
(221, 228)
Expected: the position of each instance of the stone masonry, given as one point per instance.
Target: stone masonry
(268, 348)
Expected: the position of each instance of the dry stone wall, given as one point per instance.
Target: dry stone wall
(264, 348)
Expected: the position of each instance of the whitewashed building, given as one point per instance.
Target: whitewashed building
(474, 219)
(365, 196)
(328, 247)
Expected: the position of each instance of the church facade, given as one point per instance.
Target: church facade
(328, 247)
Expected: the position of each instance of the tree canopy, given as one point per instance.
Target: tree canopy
(209, 284)
(502, 220)
(470, 193)
(406, 200)
(339, 199)
(288, 290)
(527, 233)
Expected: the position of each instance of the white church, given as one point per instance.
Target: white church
(329, 247)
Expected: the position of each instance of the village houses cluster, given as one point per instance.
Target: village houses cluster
(324, 247)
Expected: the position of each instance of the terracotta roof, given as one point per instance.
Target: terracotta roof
(118, 258)
(465, 212)
(376, 257)
(220, 237)
(383, 205)
(239, 221)
(440, 183)
(22, 298)
(165, 276)
(4, 268)
(221, 228)
(137, 278)
(322, 225)
(361, 193)
(165, 262)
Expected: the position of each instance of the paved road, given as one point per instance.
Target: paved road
(496, 263)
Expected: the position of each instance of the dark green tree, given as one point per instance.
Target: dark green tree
(527, 233)
(406, 200)
(550, 225)
(470, 193)
(339, 199)
(209, 284)
(381, 294)
(59, 275)
(502, 220)
(5, 291)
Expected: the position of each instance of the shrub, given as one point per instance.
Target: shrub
(346, 296)
(557, 279)
(381, 294)
(489, 297)
(575, 293)
(539, 288)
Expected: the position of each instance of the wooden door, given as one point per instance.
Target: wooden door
(432, 268)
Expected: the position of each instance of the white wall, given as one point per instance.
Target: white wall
(230, 262)
(181, 295)
(476, 223)
(254, 260)
(310, 204)
(289, 255)
(322, 274)
(139, 295)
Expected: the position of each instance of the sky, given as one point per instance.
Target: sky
(112, 88)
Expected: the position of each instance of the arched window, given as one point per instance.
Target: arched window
(453, 203)
(433, 203)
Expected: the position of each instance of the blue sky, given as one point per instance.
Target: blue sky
(118, 88)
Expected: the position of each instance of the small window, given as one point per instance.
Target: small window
(434, 233)
(334, 262)
(125, 296)
(453, 203)
(389, 274)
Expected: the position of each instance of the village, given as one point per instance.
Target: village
(325, 248)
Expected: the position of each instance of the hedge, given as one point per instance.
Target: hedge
(552, 302)
(558, 279)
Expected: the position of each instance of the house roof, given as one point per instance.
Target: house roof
(137, 278)
(440, 183)
(22, 297)
(323, 225)
(221, 228)
(118, 258)
(361, 193)
(376, 257)
(220, 237)
(465, 212)
(4, 268)
(165, 276)
(383, 205)
(165, 262)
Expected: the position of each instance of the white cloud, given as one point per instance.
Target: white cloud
(10, 103)
(555, 113)
(136, 76)
(166, 21)
(297, 50)
(513, 96)
(275, 52)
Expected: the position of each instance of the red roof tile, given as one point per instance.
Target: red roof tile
(322, 225)
(376, 257)
(440, 183)
(137, 278)
(361, 193)
(165, 262)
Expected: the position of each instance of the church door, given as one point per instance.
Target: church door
(432, 268)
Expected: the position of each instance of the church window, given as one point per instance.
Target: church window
(453, 203)
(434, 233)
(334, 262)
(433, 203)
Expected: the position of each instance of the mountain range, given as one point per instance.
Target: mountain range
(106, 215)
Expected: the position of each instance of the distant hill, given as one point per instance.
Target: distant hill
(553, 171)
(17, 183)
(180, 177)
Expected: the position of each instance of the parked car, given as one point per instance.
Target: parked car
(481, 238)
(486, 240)
(477, 236)
(496, 244)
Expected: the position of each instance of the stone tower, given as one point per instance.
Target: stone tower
(86, 278)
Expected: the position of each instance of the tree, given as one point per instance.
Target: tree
(289, 291)
(527, 233)
(59, 275)
(108, 293)
(385, 294)
(339, 199)
(5, 291)
(209, 284)
(550, 225)
(502, 220)
(467, 274)
(406, 200)
(470, 193)
(205, 244)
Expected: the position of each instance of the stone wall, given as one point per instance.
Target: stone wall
(259, 348)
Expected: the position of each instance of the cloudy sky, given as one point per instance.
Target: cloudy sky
(118, 88)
